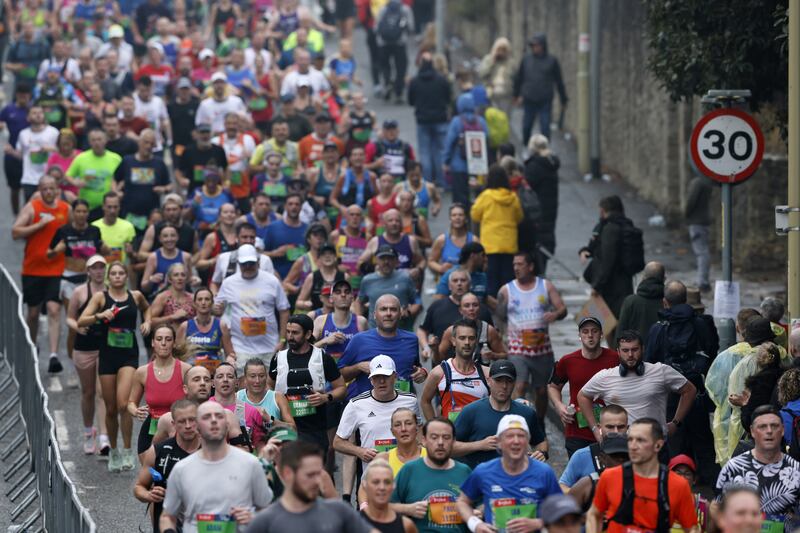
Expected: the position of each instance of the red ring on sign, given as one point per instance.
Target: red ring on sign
(759, 149)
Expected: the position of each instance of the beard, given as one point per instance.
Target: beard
(439, 461)
(301, 495)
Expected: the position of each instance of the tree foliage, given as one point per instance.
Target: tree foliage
(697, 45)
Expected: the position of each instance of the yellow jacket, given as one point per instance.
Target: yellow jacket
(499, 212)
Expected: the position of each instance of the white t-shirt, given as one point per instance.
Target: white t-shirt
(124, 55)
(71, 71)
(212, 112)
(641, 396)
(34, 160)
(316, 80)
(154, 112)
(250, 59)
(238, 150)
(250, 312)
(197, 486)
(373, 419)
(223, 259)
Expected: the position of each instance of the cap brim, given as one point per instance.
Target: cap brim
(503, 374)
(381, 372)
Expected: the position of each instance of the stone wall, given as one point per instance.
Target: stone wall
(644, 135)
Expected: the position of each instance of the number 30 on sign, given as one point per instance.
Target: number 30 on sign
(727, 145)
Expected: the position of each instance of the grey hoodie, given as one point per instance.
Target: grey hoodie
(538, 74)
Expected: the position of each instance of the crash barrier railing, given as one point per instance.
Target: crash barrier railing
(61, 508)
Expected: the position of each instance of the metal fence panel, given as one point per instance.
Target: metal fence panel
(61, 508)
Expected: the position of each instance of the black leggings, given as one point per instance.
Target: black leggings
(374, 56)
(397, 54)
(145, 438)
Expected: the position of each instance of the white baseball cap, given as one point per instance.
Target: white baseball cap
(205, 53)
(382, 365)
(246, 253)
(155, 45)
(115, 31)
(512, 422)
(94, 260)
(219, 76)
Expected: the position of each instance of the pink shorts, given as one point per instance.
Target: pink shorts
(85, 360)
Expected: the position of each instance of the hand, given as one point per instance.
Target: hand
(270, 450)
(317, 398)
(419, 510)
(83, 331)
(145, 328)
(156, 494)
(334, 338)
(419, 374)
(231, 359)
(598, 433)
(363, 366)
(138, 39)
(8, 149)
(565, 417)
(489, 443)
(194, 281)
(671, 428)
(447, 266)
(524, 525)
(739, 400)
(106, 316)
(550, 317)
(180, 314)
(518, 101)
(426, 352)
(585, 256)
(483, 527)
(243, 515)
(156, 278)
(218, 308)
(539, 456)
(142, 411)
(404, 312)
(367, 454)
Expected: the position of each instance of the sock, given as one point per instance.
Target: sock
(53, 355)
(88, 430)
(346, 498)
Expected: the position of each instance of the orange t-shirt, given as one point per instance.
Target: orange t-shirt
(309, 149)
(35, 262)
(608, 496)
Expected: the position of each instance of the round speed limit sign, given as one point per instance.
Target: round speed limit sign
(727, 145)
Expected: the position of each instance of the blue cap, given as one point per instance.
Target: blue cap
(479, 96)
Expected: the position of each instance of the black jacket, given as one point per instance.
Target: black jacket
(605, 273)
(429, 93)
(541, 173)
(536, 76)
(698, 204)
(640, 310)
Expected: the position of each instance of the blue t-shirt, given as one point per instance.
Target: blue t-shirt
(478, 420)
(403, 349)
(478, 283)
(343, 67)
(579, 465)
(489, 483)
(16, 119)
(237, 77)
(278, 234)
(207, 209)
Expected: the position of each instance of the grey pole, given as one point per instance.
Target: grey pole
(594, 87)
(439, 14)
(726, 327)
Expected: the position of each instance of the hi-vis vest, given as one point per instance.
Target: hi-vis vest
(315, 367)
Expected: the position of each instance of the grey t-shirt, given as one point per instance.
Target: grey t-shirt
(200, 487)
(375, 285)
(330, 516)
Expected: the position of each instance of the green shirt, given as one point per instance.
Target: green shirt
(416, 482)
(97, 172)
(115, 237)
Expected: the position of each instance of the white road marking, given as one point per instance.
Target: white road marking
(54, 384)
(62, 433)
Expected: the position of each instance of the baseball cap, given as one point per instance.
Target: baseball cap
(155, 45)
(53, 67)
(323, 117)
(184, 83)
(388, 124)
(94, 260)
(116, 31)
(327, 248)
(590, 320)
(326, 290)
(382, 365)
(246, 253)
(682, 459)
(512, 422)
(203, 126)
(283, 434)
(205, 53)
(303, 81)
(219, 76)
(758, 330)
(503, 368)
(341, 282)
(330, 145)
(386, 250)
(556, 507)
(614, 443)
(479, 96)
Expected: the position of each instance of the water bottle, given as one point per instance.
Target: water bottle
(571, 410)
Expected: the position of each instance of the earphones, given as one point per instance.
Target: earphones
(638, 369)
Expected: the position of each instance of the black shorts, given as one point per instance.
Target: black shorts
(335, 411)
(145, 438)
(109, 365)
(38, 290)
(13, 169)
(345, 9)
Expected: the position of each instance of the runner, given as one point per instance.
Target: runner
(173, 305)
(116, 233)
(274, 405)
(14, 116)
(160, 262)
(227, 263)
(489, 345)
(260, 215)
(253, 425)
(427, 201)
(33, 147)
(210, 336)
(326, 274)
(378, 484)
(95, 168)
(38, 223)
(285, 237)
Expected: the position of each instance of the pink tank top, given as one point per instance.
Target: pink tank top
(161, 395)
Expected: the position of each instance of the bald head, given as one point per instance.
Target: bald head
(794, 342)
(674, 293)
(387, 299)
(654, 270)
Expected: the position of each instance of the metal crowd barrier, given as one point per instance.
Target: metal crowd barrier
(61, 508)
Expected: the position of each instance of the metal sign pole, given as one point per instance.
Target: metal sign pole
(726, 327)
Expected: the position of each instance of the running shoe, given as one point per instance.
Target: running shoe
(115, 460)
(128, 459)
(89, 445)
(55, 365)
(104, 445)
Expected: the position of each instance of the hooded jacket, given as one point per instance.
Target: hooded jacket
(541, 172)
(640, 310)
(430, 94)
(453, 156)
(499, 212)
(537, 74)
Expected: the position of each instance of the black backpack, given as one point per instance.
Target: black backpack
(624, 514)
(448, 377)
(631, 253)
(794, 443)
(393, 23)
(681, 349)
(531, 206)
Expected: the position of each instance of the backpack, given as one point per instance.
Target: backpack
(393, 23)
(448, 379)
(497, 122)
(531, 206)
(632, 247)
(624, 514)
(467, 125)
(794, 442)
(681, 349)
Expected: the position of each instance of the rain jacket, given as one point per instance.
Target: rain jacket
(499, 212)
(453, 150)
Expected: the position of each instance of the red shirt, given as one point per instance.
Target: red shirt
(576, 370)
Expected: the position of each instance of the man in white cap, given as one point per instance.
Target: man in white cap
(249, 299)
(222, 102)
(510, 487)
(116, 42)
(371, 413)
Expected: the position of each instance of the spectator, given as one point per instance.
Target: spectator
(640, 310)
(496, 72)
(698, 218)
(454, 155)
(541, 173)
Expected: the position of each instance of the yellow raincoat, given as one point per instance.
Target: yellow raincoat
(717, 387)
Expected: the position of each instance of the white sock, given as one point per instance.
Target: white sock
(53, 355)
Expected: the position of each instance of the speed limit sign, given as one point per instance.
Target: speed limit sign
(727, 145)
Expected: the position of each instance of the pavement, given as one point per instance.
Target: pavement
(109, 496)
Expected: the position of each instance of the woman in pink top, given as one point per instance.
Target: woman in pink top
(63, 156)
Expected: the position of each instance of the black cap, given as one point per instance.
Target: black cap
(556, 507)
(503, 368)
(302, 320)
(390, 123)
(316, 228)
(323, 117)
(288, 97)
(327, 248)
(203, 126)
(386, 250)
(330, 145)
(590, 320)
(342, 281)
(614, 443)
(758, 330)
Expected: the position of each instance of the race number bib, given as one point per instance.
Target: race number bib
(580, 418)
(207, 362)
(292, 254)
(253, 326)
(442, 511)
(384, 445)
(236, 177)
(39, 157)
(453, 414)
(533, 338)
(215, 523)
(300, 406)
(402, 385)
(139, 221)
(506, 509)
(151, 430)
(119, 338)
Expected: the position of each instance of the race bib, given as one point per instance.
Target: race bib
(453, 414)
(119, 338)
(355, 282)
(772, 526)
(215, 523)
(199, 174)
(384, 445)
(402, 385)
(236, 177)
(580, 418)
(293, 254)
(139, 222)
(442, 511)
(258, 104)
(114, 255)
(277, 190)
(422, 211)
(252, 326)
(332, 212)
(143, 176)
(207, 362)
(39, 157)
(300, 406)
(53, 116)
(533, 338)
(153, 426)
(507, 509)
(28, 72)
(179, 149)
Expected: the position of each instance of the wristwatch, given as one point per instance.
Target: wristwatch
(330, 397)
(678, 423)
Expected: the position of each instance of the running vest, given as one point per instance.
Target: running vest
(450, 252)
(168, 454)
(159, 395)
(403, 249)
(315, 368)
(394, 158)
(120, 333)
(349, 331)
(35, 262)
(210, 344)
(163, 264)
(361, 127)
(527, 328)
(421, 198)
(458, 390)
(317, 282)
(395, 462)
(91, 341)
(349, 249)
(624, 514)
(353, 192)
